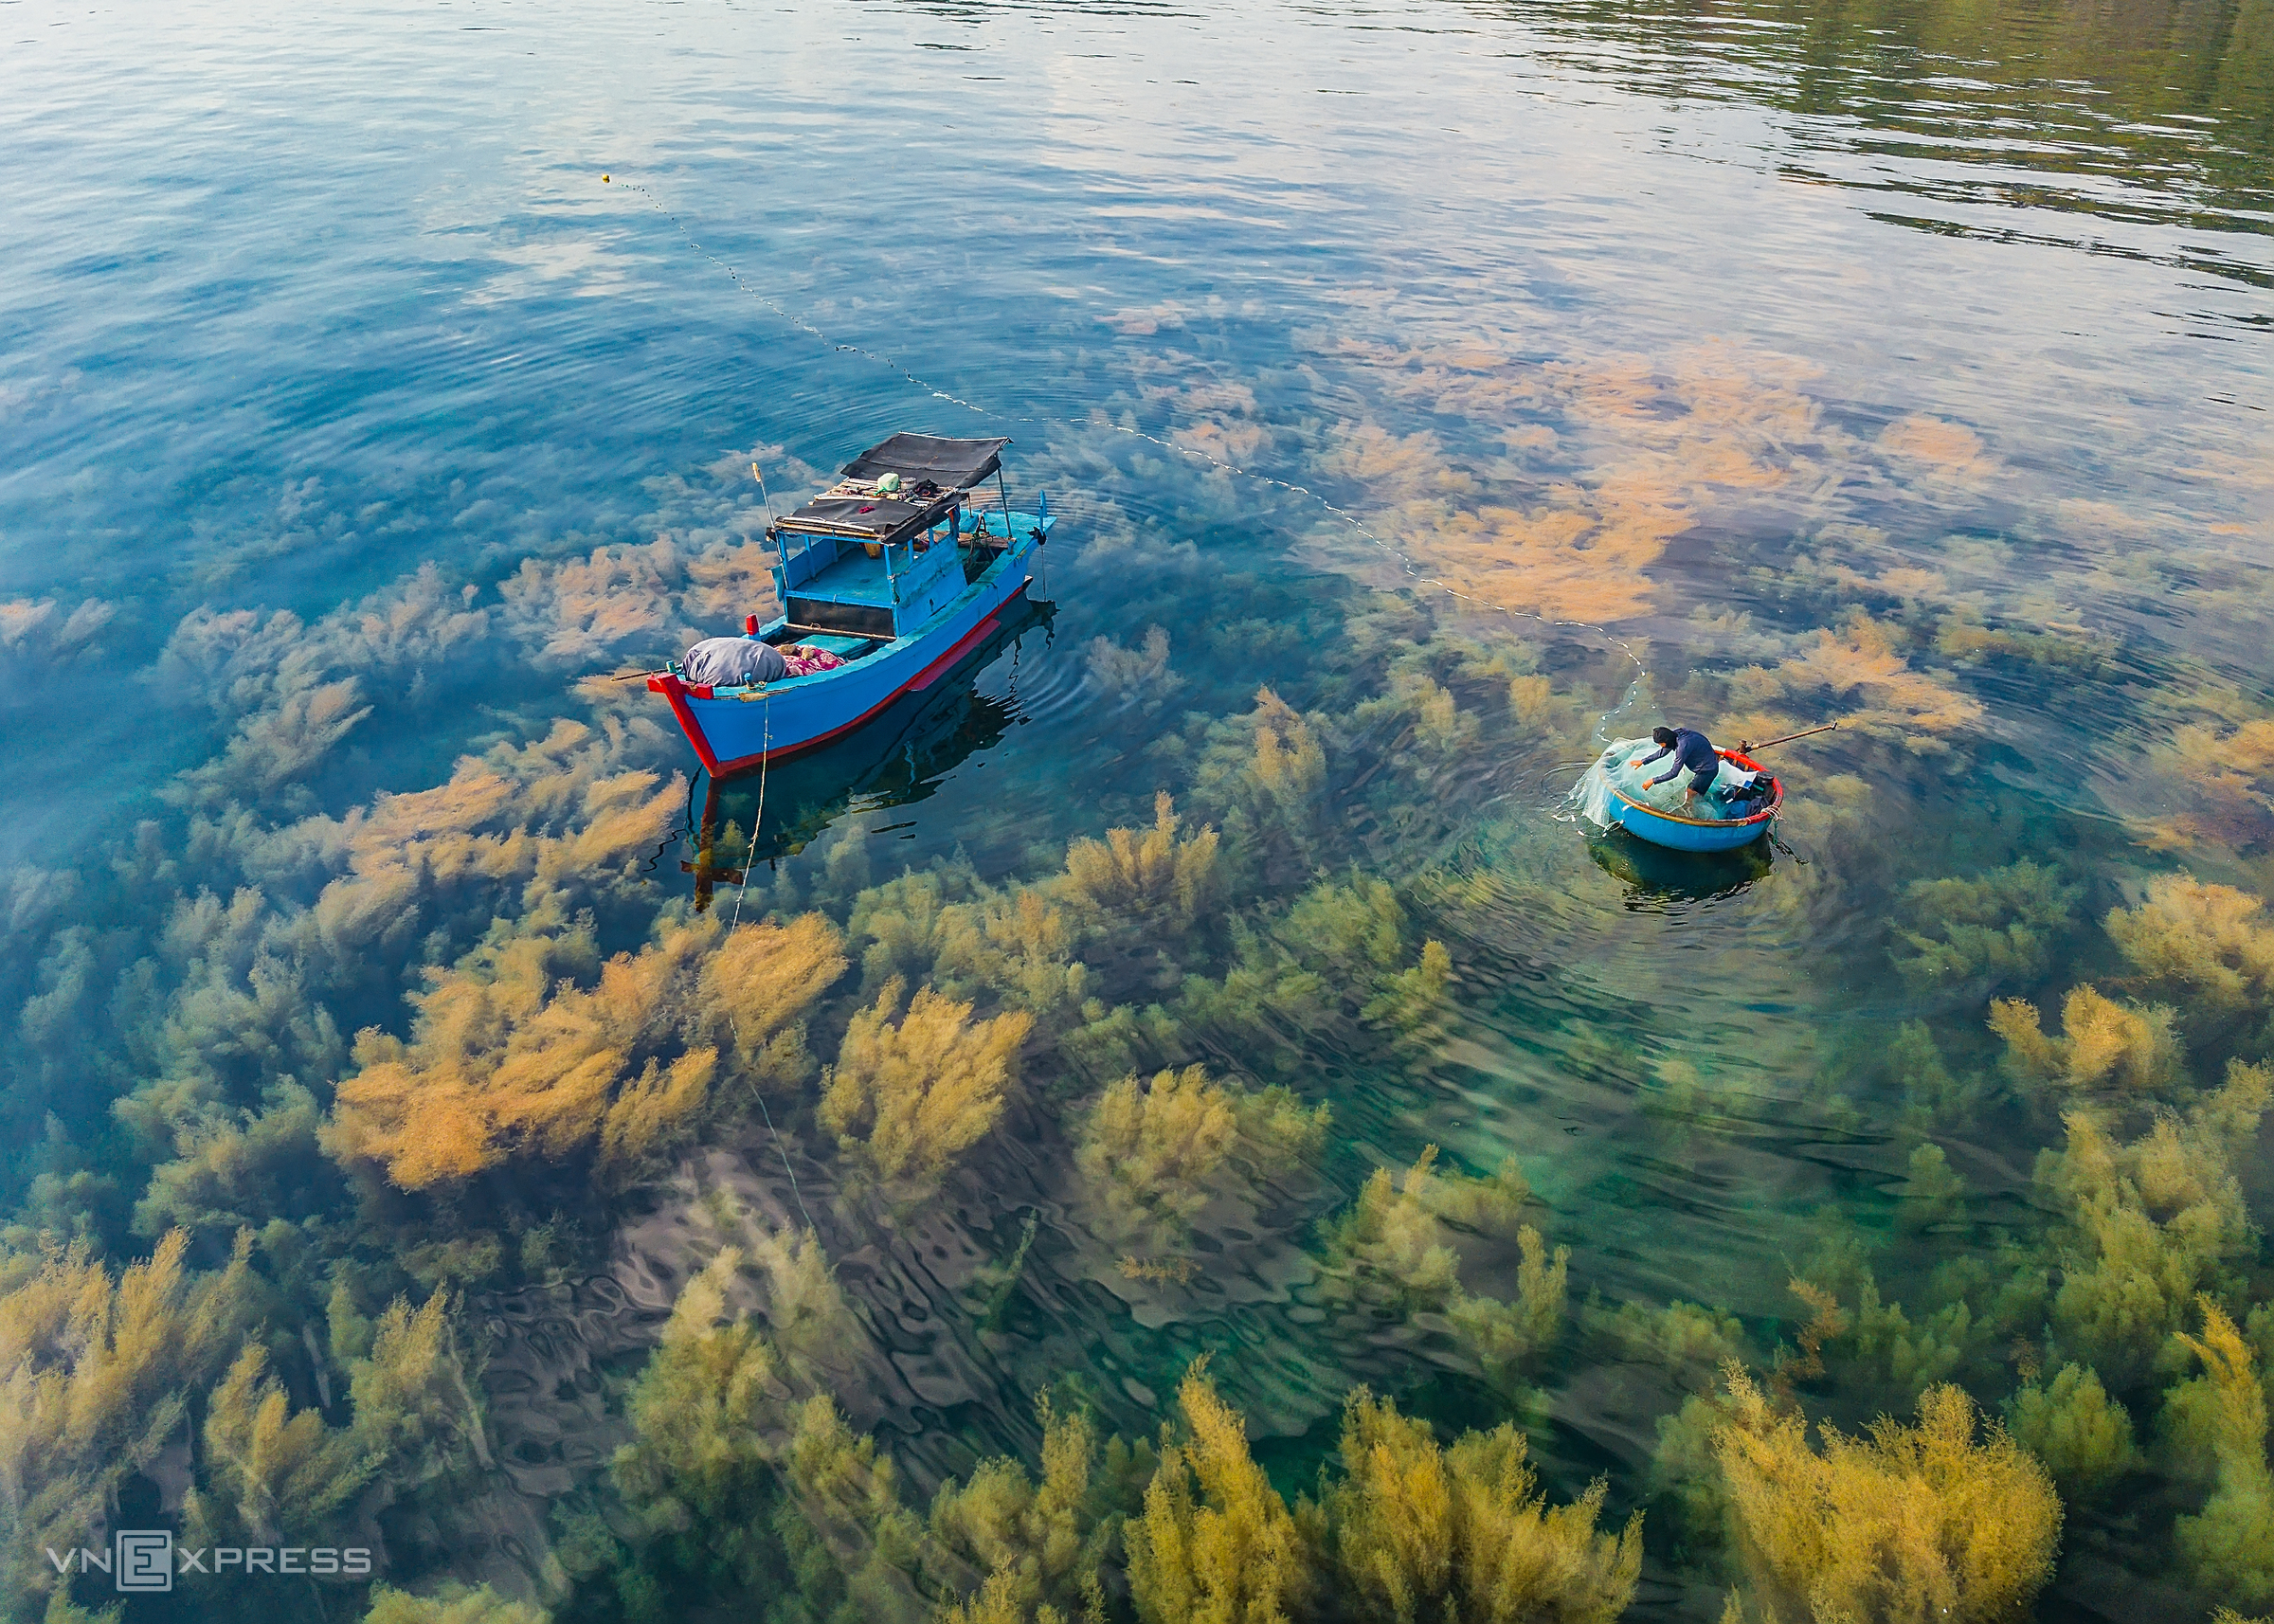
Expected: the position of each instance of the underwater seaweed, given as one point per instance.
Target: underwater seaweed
(1995, 926)
(1340, 947)
(907, 1097)
(2151, 1222)
(1858, 676)
(2228, 768)
(1901, 1526)
(1216, 1543)
(230, 1175)
(98, 1373)
(2229, 1545)
(414, 1394)
(2082, 1435)
(965, 938)
(854, 1545)
(1269, 763)
(1138, 674)
(2104, 1045)
(1149, 1149)
(274, 1474)
(1418, 710)
(2207, 940)
(1042, 1545)
(1423, 1533)
(1391, 1248)
(1155, 871)
(1688, 1339)
(503, 1061)
(698, 1477)
(453, 1603)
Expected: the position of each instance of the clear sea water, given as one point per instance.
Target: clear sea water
(1657, 342)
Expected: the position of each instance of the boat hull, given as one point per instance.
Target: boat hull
(1685, 834)
(742, 730)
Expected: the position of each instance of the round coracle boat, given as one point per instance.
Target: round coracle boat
(1685, 833)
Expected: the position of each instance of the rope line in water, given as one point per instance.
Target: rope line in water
(1406, 561)
(749, 855)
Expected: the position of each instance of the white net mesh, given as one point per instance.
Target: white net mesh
(1592, 794)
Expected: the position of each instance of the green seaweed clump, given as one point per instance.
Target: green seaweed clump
(1390, 1247)
(2151, 1222)
(2230, 1546)
(2082, 1435)
(453, 1603)
(284, 1475)
(1264, 772)
(853, 1545)
(1425, 1533)
(1996, 927)
(1339, 952)
(97, 1373)
(696, 1476)
(1903, 1525)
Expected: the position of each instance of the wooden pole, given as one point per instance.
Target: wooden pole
(1745, 748)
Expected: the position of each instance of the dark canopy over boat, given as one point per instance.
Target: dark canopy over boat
(952, 464)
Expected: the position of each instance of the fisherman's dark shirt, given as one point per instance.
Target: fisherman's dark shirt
(1693, 753)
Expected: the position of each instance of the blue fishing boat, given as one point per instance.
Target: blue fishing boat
(1684, 833)
(887, 580)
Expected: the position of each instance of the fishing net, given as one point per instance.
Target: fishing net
(1592, 794)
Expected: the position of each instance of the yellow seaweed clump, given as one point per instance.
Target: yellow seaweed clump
(2229, 1545)
(1903, 1525)
(1150, 873)
(1264, 772)
(454, 1604)
(909, 1097)
(2208, 939)
(282, 1474)
(1215, 1542)
(1149, 1149)
(96, 1374)
(2151, 1222)
(2105, 1045)
(1425, 1533)
(2232, 775)
(1041, 1545)
(1391, 1247)
(1859, 675)
(504, 1060)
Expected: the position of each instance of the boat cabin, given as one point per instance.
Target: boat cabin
(890, 544)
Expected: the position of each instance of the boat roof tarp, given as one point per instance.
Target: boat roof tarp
(952, 464)
(866, 519)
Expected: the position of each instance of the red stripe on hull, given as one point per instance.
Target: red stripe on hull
(676, 692)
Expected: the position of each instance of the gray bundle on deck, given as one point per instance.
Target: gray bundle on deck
(732, 662)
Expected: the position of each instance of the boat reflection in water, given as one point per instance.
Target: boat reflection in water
(899, 758)
(1655, 875)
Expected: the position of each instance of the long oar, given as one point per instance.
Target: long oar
(1745, 749)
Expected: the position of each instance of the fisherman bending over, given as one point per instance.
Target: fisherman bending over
(1693, 754)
